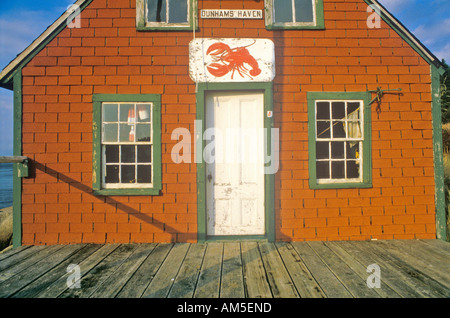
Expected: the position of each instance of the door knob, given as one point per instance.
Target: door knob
(209, 177)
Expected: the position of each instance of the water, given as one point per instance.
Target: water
(6, 185)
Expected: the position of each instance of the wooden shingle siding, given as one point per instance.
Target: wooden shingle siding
(107, 55)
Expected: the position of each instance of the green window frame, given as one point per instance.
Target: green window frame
(167, 17)
(294, 14)
(127, 144)
(340, 146)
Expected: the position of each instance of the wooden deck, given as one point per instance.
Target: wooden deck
(418, 268)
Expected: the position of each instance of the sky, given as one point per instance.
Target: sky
(23, 21)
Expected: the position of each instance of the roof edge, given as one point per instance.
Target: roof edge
(7, 74)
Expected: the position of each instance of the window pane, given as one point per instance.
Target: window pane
(110, 112)
(127, 174)
(323, 110)
(353, 150)
(322, 150)
(323, 170)
(337, 150)
(127, 114)
(178, 11)
(156, 10)
(110, 133)
(112, 174)
(304, 11)
(338, 129)
(144, 154)
(126, 133)
(338, 110)
(354, 129)
(111, 154)
(144, 174)
(323, 129)
(338, 170)
(144, 114)
(127, 154)
(352, 169)
(283, 10)
(353, 111)
(143, 132)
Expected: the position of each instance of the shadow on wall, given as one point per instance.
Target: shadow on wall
(109, 200)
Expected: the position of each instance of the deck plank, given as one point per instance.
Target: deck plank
(384, 291)
(208, 285)
(419, 261)
(353, 282)
(409, 268)
(36, 287)
(424, 285)
(29, 262)
(232, 279)
(25, 277)
(60, 285)
(161, 284)
(305, 284)
(137, 284)
(439, 245)
(186, 280)
(6, 253)
(113, 284)
(331, 286)
(97, 275)
(20, 258)
(432, 253)
(255, 278)
(279, 280)
(403, 284)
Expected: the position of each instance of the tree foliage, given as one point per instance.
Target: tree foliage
(445, 94)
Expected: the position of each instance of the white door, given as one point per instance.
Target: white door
(234, 156)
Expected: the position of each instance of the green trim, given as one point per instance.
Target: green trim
(141, 23)
(269, 179)
(441, 219)
(97, 100)
(17, 151)
(4, 82)
(270, 25)
(367, 143)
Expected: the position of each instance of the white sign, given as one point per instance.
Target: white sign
(230, 14)
(231, 60)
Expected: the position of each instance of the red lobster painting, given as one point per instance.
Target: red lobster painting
(226, 59)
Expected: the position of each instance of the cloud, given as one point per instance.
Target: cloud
(443, 53)
(19, 27)
(433, 33)
(394, 6)
(6, 100)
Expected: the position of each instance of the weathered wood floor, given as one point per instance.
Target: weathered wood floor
(418, 268)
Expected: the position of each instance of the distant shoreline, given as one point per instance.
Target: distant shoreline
(5, 208)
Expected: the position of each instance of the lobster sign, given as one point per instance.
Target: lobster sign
(232, 60)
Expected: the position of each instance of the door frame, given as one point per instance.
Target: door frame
(269, 179)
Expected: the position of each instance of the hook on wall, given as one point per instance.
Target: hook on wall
(380, 93)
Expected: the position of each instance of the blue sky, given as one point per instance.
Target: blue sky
(23, 21)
